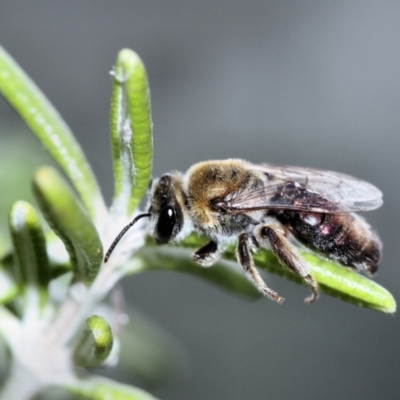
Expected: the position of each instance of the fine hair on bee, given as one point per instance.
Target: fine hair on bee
(266, 206)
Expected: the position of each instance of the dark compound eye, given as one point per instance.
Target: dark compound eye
(165, 225)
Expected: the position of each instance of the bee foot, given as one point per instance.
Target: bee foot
(207, 255)
(314, 289)
(272, 295)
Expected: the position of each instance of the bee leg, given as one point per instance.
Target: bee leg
(272, 237)
(246, 262)
(207, 255)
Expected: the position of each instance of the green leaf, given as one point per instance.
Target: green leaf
(42, 118)
(348, 285)
(16, 144)
(334, 279)
(131, 132)
(105, 389)
(70, 221)
(168, 258)
(57, 393)
(9, 288)
(5, 361)
(95, 344)
(30, 253)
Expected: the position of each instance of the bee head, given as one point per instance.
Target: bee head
(166, 209)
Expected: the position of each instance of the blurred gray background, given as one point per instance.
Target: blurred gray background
(298, 82)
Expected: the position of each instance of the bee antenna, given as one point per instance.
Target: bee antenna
(122, 233)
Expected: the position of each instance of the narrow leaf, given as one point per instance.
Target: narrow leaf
(163, 258)
(105, 389)
(43, 119)
(95, 344)
(33, 272)
(70, 221)
(333, 279)
(131, 132)
(9, 288)
(16, 144)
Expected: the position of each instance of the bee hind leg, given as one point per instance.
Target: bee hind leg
(271, 237)
(207, 255)
(246, 262)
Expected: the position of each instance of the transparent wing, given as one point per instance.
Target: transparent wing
(306, 189)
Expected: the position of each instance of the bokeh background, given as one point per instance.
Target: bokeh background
(297, 82)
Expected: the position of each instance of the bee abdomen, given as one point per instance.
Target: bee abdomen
(344, 237)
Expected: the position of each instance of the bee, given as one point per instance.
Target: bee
(270, 207)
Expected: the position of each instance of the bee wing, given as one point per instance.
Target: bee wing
(306, 189)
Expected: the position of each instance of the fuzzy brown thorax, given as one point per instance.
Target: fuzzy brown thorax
(209, 183)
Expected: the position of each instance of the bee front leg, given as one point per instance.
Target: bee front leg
(271, 237)
(246, 262)
(207, 255)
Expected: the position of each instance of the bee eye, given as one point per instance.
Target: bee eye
(165, 225)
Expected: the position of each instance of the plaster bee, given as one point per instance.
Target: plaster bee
(270, 207)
